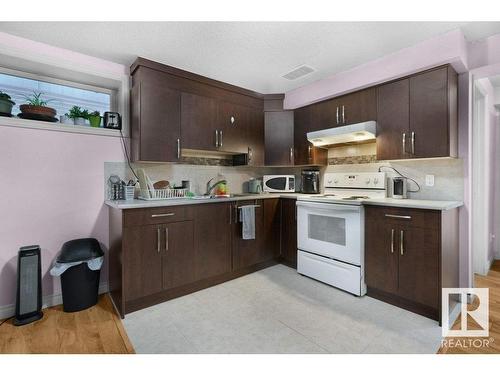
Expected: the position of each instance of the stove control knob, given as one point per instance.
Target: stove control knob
(329, 182)
(375, 180)
(335, 181)
(367, 181)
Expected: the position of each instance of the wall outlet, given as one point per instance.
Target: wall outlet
(429, 180)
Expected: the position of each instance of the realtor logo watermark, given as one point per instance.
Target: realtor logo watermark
(474, 322)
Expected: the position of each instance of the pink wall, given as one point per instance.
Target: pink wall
(52, 191)
(447, 48)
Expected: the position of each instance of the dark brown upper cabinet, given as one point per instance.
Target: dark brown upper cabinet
(417, 116)
(304, 151)
(173, 109)
(198, 122)
(393, 119)
(155, 122)
(279, 138)
(360, 106)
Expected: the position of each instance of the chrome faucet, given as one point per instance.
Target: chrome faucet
(212, 187)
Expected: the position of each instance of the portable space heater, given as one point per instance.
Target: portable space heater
(29, 285)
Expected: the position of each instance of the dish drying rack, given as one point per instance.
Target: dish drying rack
(160, 194)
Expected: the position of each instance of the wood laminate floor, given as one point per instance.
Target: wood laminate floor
(92, 331)
(491, 281)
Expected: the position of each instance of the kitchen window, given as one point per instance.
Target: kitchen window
(63, 95)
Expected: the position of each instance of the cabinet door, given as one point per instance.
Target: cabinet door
(248, 252)
(198, 122)
(142, 261)
(393, 120)
(178, 254)
(272, 222)
(279, 138)
(359, 107)
(418, 251)
(381, 252)
(160, 123)
(429, 123)
(255, 137)
(289, 231)
(326, 114)
(212, 239)
(232, 122)
(304, 152)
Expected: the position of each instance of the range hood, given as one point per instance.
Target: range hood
(360, 132)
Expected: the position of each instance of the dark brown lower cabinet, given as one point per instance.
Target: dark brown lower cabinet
(212, 239)
(410, 255)
(289, 232)
(161, 253)
(247, 252)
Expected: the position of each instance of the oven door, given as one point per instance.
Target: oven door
(332, 230)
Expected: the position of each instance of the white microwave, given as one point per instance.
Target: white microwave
(279, 183)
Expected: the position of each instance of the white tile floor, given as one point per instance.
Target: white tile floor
(278, 311)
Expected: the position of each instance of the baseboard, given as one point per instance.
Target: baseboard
(50, 300)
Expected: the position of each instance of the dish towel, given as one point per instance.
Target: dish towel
(247, 218)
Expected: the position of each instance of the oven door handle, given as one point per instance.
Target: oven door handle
(329, 206)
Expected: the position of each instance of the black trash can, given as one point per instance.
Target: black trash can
(79, 283)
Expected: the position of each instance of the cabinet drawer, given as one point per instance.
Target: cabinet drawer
(399, 215)
(156, 215)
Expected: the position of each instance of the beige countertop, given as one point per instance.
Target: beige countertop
(407, 203)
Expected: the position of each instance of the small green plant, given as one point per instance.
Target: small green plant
(6, 96)
(95, 113)
(76, 112)
(36, 100)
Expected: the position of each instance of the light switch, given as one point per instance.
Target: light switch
(429, 180)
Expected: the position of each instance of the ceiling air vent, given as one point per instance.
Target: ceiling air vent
(299, 72)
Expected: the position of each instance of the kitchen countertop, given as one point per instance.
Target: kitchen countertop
(406, 203)
(140, 203)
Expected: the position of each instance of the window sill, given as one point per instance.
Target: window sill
(16, 122)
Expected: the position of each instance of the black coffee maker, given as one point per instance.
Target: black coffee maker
(310, 181)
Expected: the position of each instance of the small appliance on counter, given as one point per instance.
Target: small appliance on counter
(310, 181)
(279, 183)
(254, 186)
(112, 120)
(399, 187)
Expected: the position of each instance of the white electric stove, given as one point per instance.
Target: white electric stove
(330, 229)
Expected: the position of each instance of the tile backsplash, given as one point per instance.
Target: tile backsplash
(448, 172)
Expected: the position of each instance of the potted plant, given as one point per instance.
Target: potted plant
(78, 115)
(95, 119)
(36, 106)
(5, 104)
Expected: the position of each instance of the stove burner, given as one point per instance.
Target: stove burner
(355, 197)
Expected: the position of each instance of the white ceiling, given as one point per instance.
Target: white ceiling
(253, 55)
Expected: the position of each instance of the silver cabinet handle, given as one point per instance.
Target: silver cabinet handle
(230, 215)
(398, 216)
(250, 154)
(163, 215)
(392, 241)
(216, 138)
(236, 214)
(413, 143)
(232, 120)
(404, 143)
(220, 138)
(158, 239)
(166, 238)
(343, 114)
(337, 115)
(402, 243)
(291, 154)
(178, 148)
(309, 148)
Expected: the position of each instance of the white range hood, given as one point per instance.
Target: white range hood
(360, 132)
